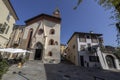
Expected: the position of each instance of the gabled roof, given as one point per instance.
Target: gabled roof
(88, 33)
(11, 9)
(83, 33)
(43, 16)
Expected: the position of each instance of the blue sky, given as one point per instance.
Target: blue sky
(88, 17)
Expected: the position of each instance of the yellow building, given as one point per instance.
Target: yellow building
(62, 49)
(8, 18)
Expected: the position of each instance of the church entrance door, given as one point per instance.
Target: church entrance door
(38, 51)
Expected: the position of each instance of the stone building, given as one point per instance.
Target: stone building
(42, 37)
(87, 50)
(16, 36)
(8, 18)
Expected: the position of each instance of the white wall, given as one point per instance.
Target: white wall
(86, 54)
(3, 16)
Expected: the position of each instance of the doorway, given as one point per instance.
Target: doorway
(110, 61)
(38, 51)
(82, 61)
(38, 55)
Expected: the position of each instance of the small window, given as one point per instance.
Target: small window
(56, 43)
(7, 29)
(8, 17)
(82, 47)
(73, 46)
(40, 31)
(82, 38)
(52, 31)
(2, 28)
(94, 39)
(50, 53)
(89, 47)
(51, 42)
(94, 58)
(88, 37)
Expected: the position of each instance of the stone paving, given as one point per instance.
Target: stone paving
(32, 70)
(66, 71)
(36, 70)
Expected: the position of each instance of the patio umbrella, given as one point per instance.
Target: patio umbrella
(14, 50)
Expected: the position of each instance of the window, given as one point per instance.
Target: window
(8, 17)
(19, 40)
(40, 31)
(50, 53)
(2, 28)
(94, 39)
(56, 43)
(7, 29)
(89, 47)
(94, 58)
(51, 42)
(73, 46)
(88, 36)
(52, 31)
(82, 38)
(82, 47)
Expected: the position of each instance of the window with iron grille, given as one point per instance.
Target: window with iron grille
(2, 28)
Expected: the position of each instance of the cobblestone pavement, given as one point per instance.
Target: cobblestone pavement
(35, 70)
(32, 70)
(67, 71)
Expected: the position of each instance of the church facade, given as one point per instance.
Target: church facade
(42, 37)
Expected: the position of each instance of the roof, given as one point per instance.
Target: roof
(85, 33)
(43, 16)
(19, 26)
(11, 9)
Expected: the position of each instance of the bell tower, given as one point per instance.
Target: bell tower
(56, 13)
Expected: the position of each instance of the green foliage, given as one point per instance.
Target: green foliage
(108, 4)
(117, 53)
(78, 3)
(3, 67)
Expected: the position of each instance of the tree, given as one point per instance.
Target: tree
(109, 4)
(115, 6)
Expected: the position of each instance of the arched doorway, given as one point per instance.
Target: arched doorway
(38, 51)
(110, 61)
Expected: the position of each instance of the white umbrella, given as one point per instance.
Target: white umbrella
(14, 50)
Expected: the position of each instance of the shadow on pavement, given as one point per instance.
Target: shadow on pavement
(68, 71)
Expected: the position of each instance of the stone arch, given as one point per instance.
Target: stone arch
(38, 51)
(110, 61)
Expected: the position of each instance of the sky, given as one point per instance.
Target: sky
(89, 16)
